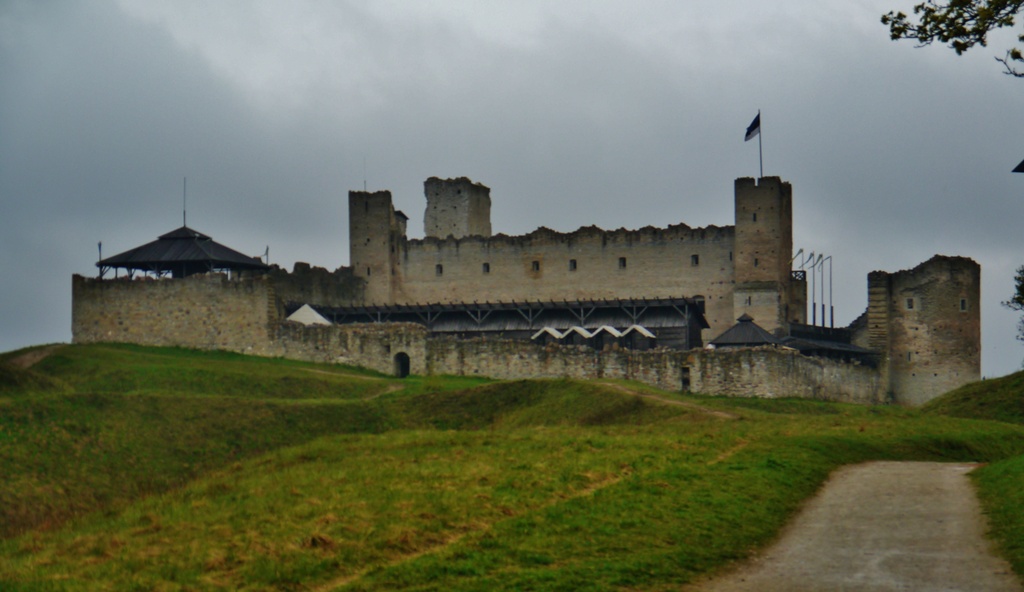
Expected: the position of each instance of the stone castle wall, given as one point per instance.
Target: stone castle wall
(772, 373)
(213, 312)
(734, 269)
(201, 311)
(587, 264)
(307, 284)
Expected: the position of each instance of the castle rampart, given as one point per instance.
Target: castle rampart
(732, 269)
(244, 315)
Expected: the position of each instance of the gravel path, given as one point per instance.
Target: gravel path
(881, 526)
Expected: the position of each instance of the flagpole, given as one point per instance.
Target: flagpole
(760, 132)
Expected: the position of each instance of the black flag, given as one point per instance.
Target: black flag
(754, 128)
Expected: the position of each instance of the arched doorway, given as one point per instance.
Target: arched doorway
(401, 364)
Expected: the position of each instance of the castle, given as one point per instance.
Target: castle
(639, 304)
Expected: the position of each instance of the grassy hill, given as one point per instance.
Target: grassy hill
(1000, 399)
(150, 468)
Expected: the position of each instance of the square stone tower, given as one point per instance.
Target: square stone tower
(764, 245)
(456, 207)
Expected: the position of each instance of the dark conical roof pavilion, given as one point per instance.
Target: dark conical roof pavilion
(181, 253)
(745, 333)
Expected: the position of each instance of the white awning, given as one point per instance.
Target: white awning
(307, 316)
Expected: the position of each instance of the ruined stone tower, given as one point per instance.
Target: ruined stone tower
(926, 323)
(456, 207)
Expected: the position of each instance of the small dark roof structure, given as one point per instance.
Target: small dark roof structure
(181, 253)
(745, 333)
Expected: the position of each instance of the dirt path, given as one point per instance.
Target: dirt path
(27, 360)
(391, 388)
(695, 407)
(881, 526)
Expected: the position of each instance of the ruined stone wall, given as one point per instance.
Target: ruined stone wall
(772, 373)
(203, 311)
(505, 359)
(373, 346)
(316, 285)
(761, 372)
(243, 315)
(587, 264)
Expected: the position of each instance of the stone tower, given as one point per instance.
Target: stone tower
(456, 207)
(762, 253)
(375, 232)
(926, 324)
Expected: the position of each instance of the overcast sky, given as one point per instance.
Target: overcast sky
(619, 114)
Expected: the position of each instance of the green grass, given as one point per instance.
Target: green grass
(1000, 399)
(356, 481)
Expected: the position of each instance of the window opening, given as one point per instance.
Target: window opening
(695, 260)
(910, 304)
(535, 266)
(487, 268)
(572, 265)
(622, 263)
(438, 269)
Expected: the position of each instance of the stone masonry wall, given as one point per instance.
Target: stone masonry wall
(315, 285)
(203, 311)
(212, 312)
(733, 269)
(762, 372)
(772, 373)
(589, 263)
(373, 346)
(516, 360)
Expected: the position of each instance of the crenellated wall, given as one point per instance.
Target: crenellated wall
(587, 264)
(735, 269)
(307, 284)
